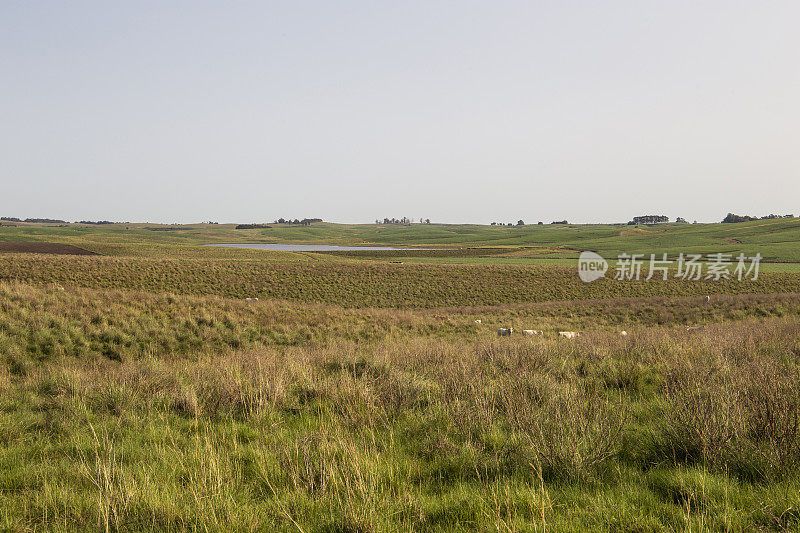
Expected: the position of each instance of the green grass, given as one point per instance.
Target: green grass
(39, 323)
(140, 391)
(394, 420)
(360, 284)
(544, 262)
(773, 239)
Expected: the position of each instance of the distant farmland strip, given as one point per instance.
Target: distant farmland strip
(42, 248)
(362, 284)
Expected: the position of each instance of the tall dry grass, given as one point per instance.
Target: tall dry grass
(410, 427)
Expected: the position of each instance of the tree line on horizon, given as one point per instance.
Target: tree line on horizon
(405, 221)
(731, 218)
(296, 222)
(35, 220)
(637, 220)
(303, 222)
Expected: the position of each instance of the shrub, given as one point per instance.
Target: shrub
(572, 431)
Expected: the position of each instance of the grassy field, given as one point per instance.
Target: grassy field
(361, 284)
(775, 240)
(137, 411)
(140, 390)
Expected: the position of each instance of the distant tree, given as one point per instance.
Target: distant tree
(427, 221)
(251, 226)
(520, 222)
(650, 219)
(406, 221)
(46, 220)
(731, 218)
(540, 223)
(559, 222)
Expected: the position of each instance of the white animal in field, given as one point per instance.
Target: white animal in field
(505, 332)
(251, 299)
(708, 299)
(531, 332)
(568, 334)
(623, 333)
(478, 321)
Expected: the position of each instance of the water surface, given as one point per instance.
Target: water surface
(311, 247)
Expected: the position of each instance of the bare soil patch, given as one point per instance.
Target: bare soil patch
(635, 231)
(42, 248)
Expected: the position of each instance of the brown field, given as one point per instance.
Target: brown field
(42, 248)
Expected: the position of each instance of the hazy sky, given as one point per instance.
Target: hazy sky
(460, 111)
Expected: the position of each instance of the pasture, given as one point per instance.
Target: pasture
(140, 389)
(775, 240)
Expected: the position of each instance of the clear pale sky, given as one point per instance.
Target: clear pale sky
(459, 111)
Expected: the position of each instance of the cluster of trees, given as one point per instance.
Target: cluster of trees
(39, 220)
(95, 222)
(304, 222)
(649, 219)
(252, 226)
(46, 220)
(404, 220)
(522, 223)
(731, 218)
(519, 223)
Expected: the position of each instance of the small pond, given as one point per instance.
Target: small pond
(312, 247)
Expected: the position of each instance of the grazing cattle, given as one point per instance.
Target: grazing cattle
(531, 332)
(251, 299)
(478, 321)
(623, 333)
(568, 334)
(505, 332)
